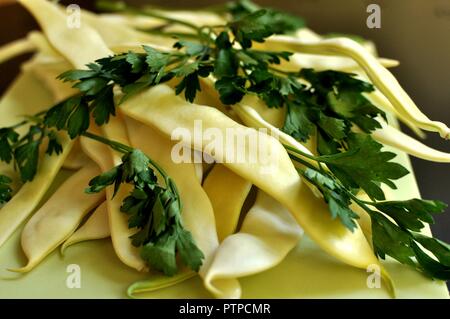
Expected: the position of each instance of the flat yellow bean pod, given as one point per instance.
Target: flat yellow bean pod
(59, 217)
(321, 63)
(96, 227)
(198, 18)
(30, 194)
(380, 76)
(76, 158)
(13, 106)
(114, 32)
(161, 108)
(392, 136)
(42, 44)
(197, 214)
(378, 99)
(194, 199)
(268, 233)
(47, 72)
(227, 192)
(158, 281)
(252, 118)
(68, 42)
(16, 48)
(118, 224)
(79, 46)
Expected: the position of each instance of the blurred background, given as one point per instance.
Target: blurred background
(416, 32)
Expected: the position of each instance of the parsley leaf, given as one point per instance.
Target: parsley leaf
(154, 210)
(335, 196)
(78, 121)
(7, 138)
(429, 255)
(231, 89)
(54, 146)
(260, 24)
(103, 105)
(297, 122)
(5, 189)
(26, 153)
(365, 166)
(413, 213)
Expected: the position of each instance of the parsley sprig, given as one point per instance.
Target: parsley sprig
(396, 225)
(153, 209)
(24, 150)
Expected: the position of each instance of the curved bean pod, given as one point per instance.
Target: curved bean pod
(59, 217)
(267, 235)
(96, 227)
(380, 76)
(227, 193)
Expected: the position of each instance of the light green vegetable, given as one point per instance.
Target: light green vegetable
(227, 193)
(51, 225)
(267, 235)
(96, 227)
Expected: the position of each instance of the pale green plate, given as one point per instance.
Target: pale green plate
(307, 272)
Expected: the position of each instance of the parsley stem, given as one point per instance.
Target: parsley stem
(283, 72)
(162, 17)
(298, 152)
(120, 6)
(122, 148)
(27, 120)
(302, 161)
(170, 34)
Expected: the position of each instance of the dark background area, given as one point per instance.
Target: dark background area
(416, 32)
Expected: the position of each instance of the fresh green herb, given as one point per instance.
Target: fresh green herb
(395, 224)
(336, 197)
(153, 209)
(5, 189)
(7, 139)
(275, 21)
(365, 165)
(24, 150)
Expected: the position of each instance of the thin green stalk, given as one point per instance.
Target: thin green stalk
(170, 34)
(122, 148)
(119, 6)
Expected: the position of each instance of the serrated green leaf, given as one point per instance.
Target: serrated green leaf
(155, 59)
(137, 61)
(103, 106)
(188, 250)
(365, 165)
(231, 89)
(226, 63)
(297, 123)
(78, 122)
(161, 254)
(7, 138)
(26, 157)
(5, 189)
(54, 146)
(76, 75)
(92, 86)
